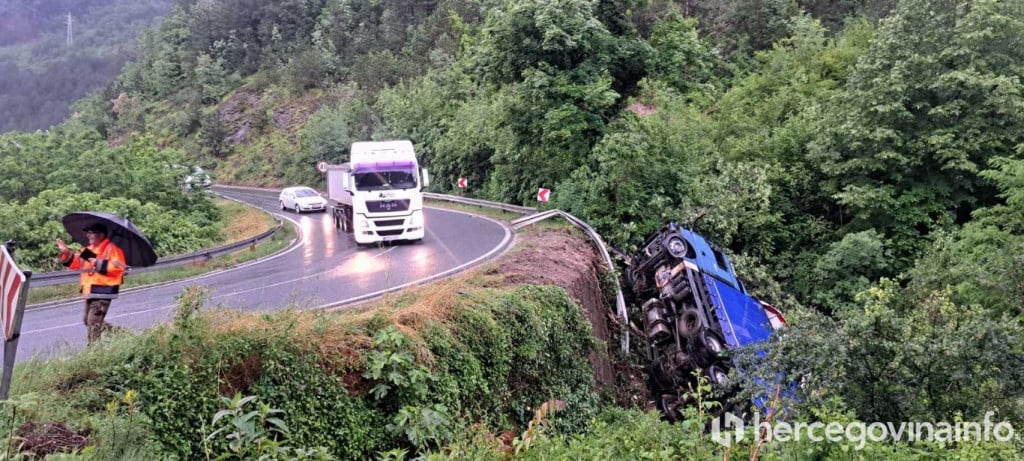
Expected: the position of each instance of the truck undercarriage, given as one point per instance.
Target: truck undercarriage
(693, 309)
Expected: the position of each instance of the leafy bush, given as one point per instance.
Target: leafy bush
(259, 433)
(498, 360)
(355, 388)
(50, 174)
(898, 357)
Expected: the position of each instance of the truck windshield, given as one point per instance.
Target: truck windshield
(403, 178)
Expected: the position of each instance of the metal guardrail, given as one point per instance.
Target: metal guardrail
(62, 277)
(478, 202)
(532, 217)
(620, 300)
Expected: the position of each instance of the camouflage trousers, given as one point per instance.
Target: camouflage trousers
(95, 318)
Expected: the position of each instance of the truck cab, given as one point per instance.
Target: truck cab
(378, 194)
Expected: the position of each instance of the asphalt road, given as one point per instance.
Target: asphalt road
(324, 268)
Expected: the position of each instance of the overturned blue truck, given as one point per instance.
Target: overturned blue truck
(694, 308)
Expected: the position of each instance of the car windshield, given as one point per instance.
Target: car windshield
(306, 193)
(394, 178)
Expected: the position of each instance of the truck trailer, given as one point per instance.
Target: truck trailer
(378, 194)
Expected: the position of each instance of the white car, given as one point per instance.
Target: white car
(199, 179)
(301, 199)
(194, 178)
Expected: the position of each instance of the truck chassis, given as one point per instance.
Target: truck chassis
(694, 309)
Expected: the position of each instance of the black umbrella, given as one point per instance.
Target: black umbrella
(137, 250)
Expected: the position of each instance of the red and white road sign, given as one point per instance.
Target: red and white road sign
(321, 166)
(463, 182)
(11, 280)
(543, 194)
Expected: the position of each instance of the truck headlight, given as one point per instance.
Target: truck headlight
(676, 247)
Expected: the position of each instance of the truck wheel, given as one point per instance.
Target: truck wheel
(676, 247)
(689, 322)
(669, 405)
(717, 374)
(337, 222)
(713, 345)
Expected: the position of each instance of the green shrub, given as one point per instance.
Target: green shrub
(318, 409)
(515, 350)
(494, 357)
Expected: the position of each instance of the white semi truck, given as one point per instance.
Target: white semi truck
(378, 194)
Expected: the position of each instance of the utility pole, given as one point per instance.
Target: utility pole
(71, 36)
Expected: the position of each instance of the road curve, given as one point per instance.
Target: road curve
(324, 269)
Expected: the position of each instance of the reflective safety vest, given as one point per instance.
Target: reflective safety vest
(102, 279)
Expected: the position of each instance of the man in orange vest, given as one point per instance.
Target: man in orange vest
(102, 265)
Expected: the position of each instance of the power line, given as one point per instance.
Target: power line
(71, 35)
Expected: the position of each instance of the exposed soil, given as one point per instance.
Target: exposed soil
(567, 259)
(43, 439)
(243, 114)
(241, 375)
(237, 115)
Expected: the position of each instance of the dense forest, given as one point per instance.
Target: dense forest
(44, 70)
(50, 174)
(863, 161)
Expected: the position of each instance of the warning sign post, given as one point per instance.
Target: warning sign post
(13, 294)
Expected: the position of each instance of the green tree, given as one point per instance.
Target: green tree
(642, 169)
(554, 118)
(327, 136)
(72, 168)
(166, 62)
(424, 111)
(681, 58)
(904, 356)
(769, 117)
(982, 262)
(469, 145)
(934, 99)
(848, 268)
(212, 79)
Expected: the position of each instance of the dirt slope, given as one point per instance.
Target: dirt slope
(566, 258)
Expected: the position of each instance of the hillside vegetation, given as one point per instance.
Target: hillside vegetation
(862, 162)
(405, 373)
(71, 169)
(45, 70)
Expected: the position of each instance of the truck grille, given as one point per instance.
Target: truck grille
(377, 206)
(386, 233)
(389, 222)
